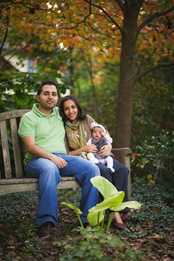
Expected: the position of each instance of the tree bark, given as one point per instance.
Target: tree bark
(127, 77)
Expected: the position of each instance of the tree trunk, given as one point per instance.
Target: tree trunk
(127, 78)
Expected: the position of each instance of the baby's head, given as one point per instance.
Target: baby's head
(97, 131)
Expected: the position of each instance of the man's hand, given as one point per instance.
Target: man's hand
(60, 163)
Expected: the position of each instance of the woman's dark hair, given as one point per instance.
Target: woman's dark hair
(80, 115)
(46, 82)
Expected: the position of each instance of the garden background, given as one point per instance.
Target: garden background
(117, 58)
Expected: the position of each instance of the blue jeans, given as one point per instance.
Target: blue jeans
(50, 175)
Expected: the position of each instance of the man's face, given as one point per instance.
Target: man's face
(48, 98)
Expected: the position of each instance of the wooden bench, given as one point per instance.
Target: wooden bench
(12, 174)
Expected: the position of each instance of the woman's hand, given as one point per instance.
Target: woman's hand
(105, 150)
(90, 148)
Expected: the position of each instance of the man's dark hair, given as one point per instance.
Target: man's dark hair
(46, 82)
(80, 115)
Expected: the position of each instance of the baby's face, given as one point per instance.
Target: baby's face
(97, 133)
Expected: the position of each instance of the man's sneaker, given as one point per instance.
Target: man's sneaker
(45, 230)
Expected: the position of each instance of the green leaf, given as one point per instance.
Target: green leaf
(128, 204)
(105, 187)
(96, 214)
(95, 217)
(111, 201)
(77, 210)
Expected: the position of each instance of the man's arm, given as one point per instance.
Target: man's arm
(29, 143)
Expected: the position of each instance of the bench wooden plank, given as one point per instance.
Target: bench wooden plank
(12, 114)
(16, 148)
(8, 186)
(5, 150)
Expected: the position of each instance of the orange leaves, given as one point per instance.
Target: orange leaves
(46, 37)
(151, 5)
(76, 23)
(171, 55)
(47, 46)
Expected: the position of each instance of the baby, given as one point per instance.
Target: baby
(100, 137)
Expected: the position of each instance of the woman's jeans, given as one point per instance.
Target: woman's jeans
(50, 175)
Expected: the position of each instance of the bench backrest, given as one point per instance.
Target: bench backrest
(11, 145)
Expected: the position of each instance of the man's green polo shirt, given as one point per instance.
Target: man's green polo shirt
(48, 130)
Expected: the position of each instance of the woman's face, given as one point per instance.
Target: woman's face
(70, 110)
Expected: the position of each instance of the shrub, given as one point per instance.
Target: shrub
(152, 162)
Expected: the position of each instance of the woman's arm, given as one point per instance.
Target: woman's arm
(86, 148)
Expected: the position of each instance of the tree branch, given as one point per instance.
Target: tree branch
(121, 5)
(106, 14)
(145, 72)
(152, 17)
(5, 37)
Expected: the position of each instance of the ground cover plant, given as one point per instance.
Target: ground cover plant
(149, 234)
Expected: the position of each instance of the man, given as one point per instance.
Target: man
(42, 132)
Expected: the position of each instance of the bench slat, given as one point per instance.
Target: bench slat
(12, 114)
(16, 148)
(5, 150)
(30, 184)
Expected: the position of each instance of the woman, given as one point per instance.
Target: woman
(78, 131)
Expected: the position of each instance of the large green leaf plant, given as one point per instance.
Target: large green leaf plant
(112, 200)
